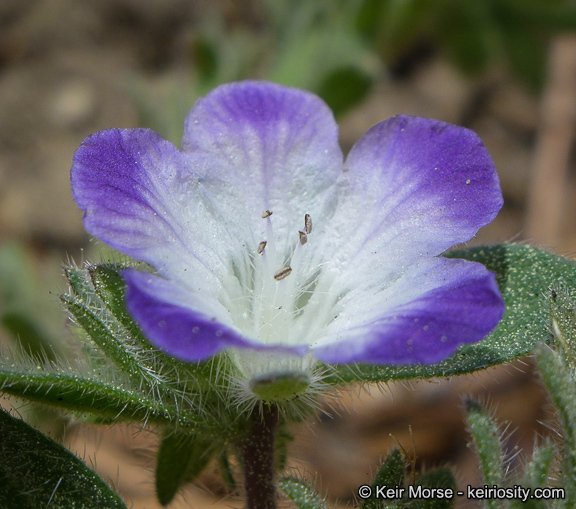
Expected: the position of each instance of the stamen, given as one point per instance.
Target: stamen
(273, 311)
(307, 224)
(284, 272)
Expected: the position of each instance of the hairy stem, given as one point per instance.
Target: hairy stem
(257, 449)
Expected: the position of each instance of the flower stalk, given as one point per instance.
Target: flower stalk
(257, 449)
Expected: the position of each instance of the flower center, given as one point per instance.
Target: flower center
(280, 286)
(278, 296)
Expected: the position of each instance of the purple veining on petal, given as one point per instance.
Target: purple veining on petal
(277, 145)
(141, 195)
(125, 181)
(115, 179)
(416, 187)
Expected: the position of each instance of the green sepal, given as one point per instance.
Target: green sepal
(110, 287)
(103, 331)
(538, 470)
(559, 381)
(441, 479)
(391, 473)
(301, 493)
(97, 304)
(487, 440)
(139, 384)
(99, 310)
(37, 472)
(181, 459)
(279, 387)
(524, 275)
(537, 475)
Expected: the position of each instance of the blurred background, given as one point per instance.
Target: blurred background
(504, 68)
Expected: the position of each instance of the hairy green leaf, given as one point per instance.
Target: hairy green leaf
(181, 459)
(536, 476)
(538, 470)
(37, 472)
(559, 381)
(488, 443)
(439, 481)
(301, 493)
(105, 401)
(391, 473)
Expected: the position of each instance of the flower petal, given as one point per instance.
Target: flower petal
(188, 326)
(422, 318)
(277, 147)
(139, 195)
(415, 187)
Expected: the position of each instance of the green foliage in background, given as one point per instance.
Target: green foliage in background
(340, 49)
(24, 315)
(473, 34)
(311, 45)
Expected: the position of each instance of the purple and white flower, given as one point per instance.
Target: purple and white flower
(267, 243)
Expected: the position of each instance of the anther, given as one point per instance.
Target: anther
(284, 272)
(261, 247)
(266, 213)
(303, 237)
(307, 224)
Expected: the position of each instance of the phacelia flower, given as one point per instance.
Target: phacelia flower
(270, 245)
